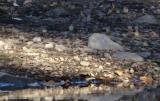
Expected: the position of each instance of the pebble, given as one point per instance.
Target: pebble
(84, 63)
(44, 30)
(131, 70)
(125, 10)
(100, 67)
(60, 48)
(148, 19)
(119, 72)
(107, 55)
(77, 58)
(71, 28)
(62, 59)
(29, 42)
(2, 44)
(37, 39)
(49, 45)
(27, 2)
(49, 68)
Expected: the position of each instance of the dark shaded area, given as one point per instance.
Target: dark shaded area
(86, 16)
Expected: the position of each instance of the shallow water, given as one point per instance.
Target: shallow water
(13, 88)
(145, 95)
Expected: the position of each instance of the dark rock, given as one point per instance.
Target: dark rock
(127, 56)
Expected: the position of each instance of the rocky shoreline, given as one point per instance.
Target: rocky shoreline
(42, 58)
(114, 41)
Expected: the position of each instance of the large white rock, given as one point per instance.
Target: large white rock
(149, 19)
(127, 56)
(103, 42)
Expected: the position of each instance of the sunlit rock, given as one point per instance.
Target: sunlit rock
(103, 42)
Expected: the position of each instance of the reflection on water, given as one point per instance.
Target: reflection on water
(152, 94)
(10, 91)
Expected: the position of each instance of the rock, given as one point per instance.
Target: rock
(119, 72)
(146, 79)
(144, 54)
(77, 58)
(149, 19)
(127, 56)
(2, 44)
(27, 2)
(103, 42)
(57, 12)
(107, 55)
(29, 42)
(49, 45)
(60, 48)
(157, 11)
(61, 59)
(71, 28)
(37, 39)
(125, 10)
(48, 68)
(84, 63)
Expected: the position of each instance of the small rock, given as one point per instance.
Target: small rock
(44, 30)
(2, 44)
(131, 70)
(27, 2)
(84, 63)
(157, 11)
(29, 42)
(71, 28)
(125, 10)
(61, 59)
(146, 79)
(100, 67)
(57, 12)
(37, 39)
(145, 54)
(149, 19)
(22, 38)
(119, 72)
(87, 58)
(107, 55)
(7, 46)
(127, 56)
(60, 48)
(48, 68)
(76, 58)
(48, 99)
(108, 63)
(103, 42)
(49, 45)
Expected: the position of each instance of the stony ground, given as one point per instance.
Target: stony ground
(31, 55)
